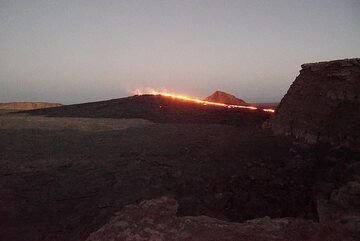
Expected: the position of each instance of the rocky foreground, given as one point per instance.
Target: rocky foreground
(157, 220)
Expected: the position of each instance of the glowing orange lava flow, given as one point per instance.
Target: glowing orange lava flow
(204, 102)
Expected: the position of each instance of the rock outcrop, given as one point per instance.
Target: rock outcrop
(342, 208)
(27, 105)
(323, 104)
(222, 97)
(156, 220)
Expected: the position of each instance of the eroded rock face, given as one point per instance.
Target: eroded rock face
(323, 104)
(156, 220)
(222, 97)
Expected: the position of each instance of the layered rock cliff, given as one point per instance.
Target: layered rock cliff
(323, 104)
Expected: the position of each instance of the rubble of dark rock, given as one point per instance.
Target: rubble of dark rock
(157, 220)
(65, 184)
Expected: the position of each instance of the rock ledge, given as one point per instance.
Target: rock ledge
(323, 104)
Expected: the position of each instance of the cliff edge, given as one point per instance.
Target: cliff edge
(323, 104)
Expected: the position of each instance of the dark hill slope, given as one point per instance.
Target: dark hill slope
(159, 109)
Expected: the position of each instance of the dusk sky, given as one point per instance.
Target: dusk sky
(78, 51)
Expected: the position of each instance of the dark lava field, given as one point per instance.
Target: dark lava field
(63, 184)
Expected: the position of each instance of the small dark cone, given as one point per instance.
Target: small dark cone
(222, 97)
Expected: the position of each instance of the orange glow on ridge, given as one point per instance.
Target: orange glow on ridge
(203, 102)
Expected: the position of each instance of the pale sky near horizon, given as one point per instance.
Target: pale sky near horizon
(78, 51)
